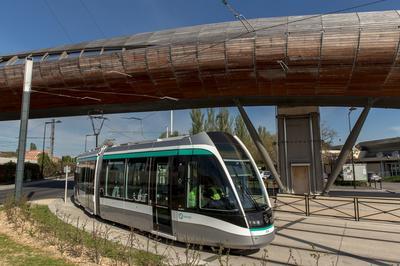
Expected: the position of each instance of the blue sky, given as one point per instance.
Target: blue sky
(33, 24)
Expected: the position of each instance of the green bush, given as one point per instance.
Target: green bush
(350, 183)
(7, 172)
(392, 179)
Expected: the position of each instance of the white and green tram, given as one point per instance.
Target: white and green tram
(202, 189)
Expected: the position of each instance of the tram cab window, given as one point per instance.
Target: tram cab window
(137, 180)
(115, 179)
(214, 191)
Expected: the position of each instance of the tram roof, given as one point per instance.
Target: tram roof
(201, 138)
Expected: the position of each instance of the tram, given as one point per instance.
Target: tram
(202, 189)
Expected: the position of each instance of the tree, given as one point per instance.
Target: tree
(224, 122)
(197, 121)
(240, 130)
(327, 136)
(164, 134)
(68, 159)
(107, 142)
(210, 124)
(33, 147)
(49, 167)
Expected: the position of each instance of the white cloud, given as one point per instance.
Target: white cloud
(395, 128)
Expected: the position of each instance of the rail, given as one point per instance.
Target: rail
(356, 208)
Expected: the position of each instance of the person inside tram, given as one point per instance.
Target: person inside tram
(192, 198)
(214, 198)
(115, 192)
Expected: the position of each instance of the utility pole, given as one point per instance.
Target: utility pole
(352, 149)
(53, 126)
(26, 97)
(172, 122)
(52, 122)
(97, 115)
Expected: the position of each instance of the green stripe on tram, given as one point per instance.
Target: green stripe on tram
(157, 153)
(261, 228)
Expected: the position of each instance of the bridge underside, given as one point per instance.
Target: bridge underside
(330, 60)
(160, 105)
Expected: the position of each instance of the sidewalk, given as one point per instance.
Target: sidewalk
(299, 240)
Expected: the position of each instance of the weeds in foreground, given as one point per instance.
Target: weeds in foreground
(95, 242)
(40, 223)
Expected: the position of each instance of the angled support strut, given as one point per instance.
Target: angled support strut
(348, 146)
(260, 146)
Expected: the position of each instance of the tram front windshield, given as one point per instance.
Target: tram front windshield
(241, 170)
(247, 184)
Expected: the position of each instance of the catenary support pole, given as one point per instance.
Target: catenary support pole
(44, 142)
(260, 146)
(347, 147)
(23, 128)
(53, 127)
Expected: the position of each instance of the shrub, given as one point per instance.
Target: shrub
(7, 172)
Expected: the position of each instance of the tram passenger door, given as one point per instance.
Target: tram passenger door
(161, 195)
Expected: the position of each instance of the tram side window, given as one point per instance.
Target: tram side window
(102, 181)
(192, 193)
(90, 171)
(115, 179)
(82, 176)
(137, 180)
(162, 181)
(214, 189)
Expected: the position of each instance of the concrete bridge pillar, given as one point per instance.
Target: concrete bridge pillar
(299, 146)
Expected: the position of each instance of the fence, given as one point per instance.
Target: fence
(357, 208)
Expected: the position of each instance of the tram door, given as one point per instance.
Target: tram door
(161, 195)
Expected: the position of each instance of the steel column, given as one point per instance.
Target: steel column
(23, 128)
(347, 147)
(260, 146)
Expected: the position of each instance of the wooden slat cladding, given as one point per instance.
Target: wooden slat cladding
(340, 55)
(50, 74)
(91, 71)
(70, 70)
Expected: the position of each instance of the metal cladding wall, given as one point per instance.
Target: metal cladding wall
(299, 144)
(337, 59)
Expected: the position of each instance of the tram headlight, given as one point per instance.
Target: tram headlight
(255, 222)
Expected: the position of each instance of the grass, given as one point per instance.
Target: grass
(12, 253)
(97, 242)
(392, 179)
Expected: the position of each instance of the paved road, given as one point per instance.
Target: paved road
(44, 189)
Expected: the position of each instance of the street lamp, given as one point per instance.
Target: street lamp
(352, 148)
(44, 142)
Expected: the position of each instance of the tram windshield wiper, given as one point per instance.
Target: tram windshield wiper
(245, 191)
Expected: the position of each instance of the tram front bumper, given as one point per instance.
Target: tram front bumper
(263, 237)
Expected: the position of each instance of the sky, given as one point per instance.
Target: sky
(36, 24)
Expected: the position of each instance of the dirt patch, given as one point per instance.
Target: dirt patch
(27, 236)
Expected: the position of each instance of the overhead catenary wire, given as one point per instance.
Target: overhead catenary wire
(210, 46)
(239, 16)
(58, 21)
(100, 92)
(243, 34)
(92, 18)
(67, 96)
